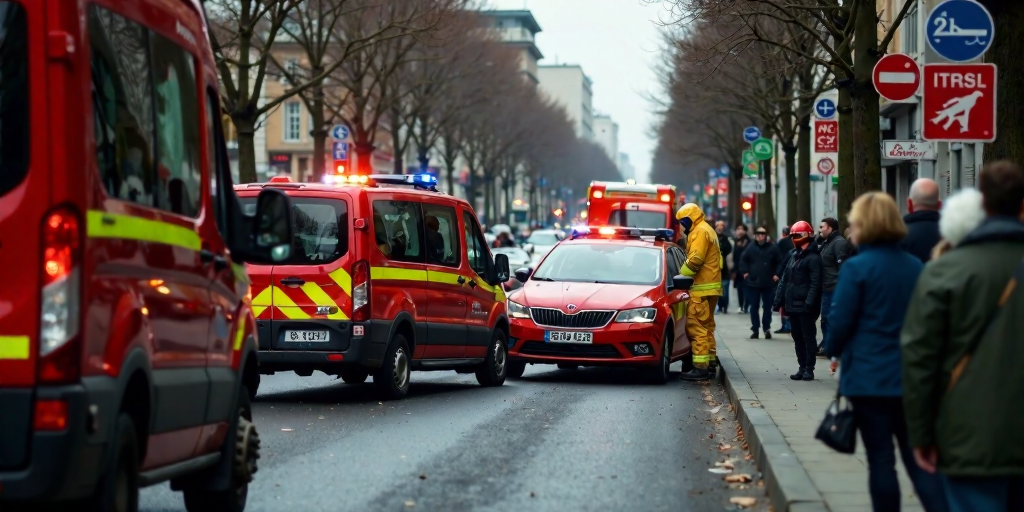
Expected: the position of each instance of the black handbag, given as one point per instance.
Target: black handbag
(838, 430)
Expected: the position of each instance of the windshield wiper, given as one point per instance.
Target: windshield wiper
(548, 279)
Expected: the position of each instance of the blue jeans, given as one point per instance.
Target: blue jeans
(879, 420)
(760, 297)
(996, 494)
(826, 306)
(723, 301)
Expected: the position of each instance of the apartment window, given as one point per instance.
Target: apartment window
(292, 121)
(911, 30)
(291, 67)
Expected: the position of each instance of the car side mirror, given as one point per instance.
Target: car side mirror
(522, 274)
(682, 282)
(528, 248)
(272, 228)
(501, 267)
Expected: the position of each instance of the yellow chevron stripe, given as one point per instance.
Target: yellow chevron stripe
(320, 298)
(14, 348)
(344, 280)
(239, 333)
(288, 307)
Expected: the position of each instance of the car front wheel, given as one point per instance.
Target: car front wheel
(660, 373)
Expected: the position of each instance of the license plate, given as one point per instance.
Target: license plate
(568, 337)
(307, 336)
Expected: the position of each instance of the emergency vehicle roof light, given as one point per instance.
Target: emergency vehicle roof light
(622, 232)
(280, 179)
(422, 181)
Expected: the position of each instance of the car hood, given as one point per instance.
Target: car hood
(559, 295)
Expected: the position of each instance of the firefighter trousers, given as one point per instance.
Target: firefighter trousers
(700, 329)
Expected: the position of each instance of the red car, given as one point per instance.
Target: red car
(605, 297)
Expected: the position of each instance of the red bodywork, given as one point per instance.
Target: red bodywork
(611, 342)
(611, 204)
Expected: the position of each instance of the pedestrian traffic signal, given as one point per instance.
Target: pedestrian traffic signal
(339, 166)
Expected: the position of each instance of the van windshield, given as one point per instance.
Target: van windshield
(638, 219)
(14, 122)
(321, 228)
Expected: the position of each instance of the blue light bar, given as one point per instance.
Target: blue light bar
(429, 179)
(622, 232)
(423, 181)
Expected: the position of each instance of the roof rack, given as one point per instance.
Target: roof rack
(659, 234)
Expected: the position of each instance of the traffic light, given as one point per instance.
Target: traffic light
(339, 166)
(558, 212)
(747, 203)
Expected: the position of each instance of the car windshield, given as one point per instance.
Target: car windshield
(321, 228)
(602, 263)
(548, 238)
(513, 253)
(14, 90)
(638, 219)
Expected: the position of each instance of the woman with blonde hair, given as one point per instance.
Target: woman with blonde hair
(870, 301)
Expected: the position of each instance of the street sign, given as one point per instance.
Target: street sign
(339, 132)
(752, 186)
(763, 149)
(897, 77)
(825, 108)
(960, 30)
(826, 136)
(751, 134)
(959, 102)
(908, 150)
(340, 150)
(826, 166)
(750, 164)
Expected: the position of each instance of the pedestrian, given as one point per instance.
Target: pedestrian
(786, 250)
(961, 213)
(834, 252)
(760, 266)
(923, 220)
(704, 264)
(726, 247)
(785, 244)
(870, 301)
(741, 241)
(962, 355)
(799, 292)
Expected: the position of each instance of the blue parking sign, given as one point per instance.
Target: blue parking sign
(340, 150)
(960, 30)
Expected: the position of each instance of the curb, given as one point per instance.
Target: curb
(789, 487)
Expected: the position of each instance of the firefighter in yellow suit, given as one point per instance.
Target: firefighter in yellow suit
(704, 264)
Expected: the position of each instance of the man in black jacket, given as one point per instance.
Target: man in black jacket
(786, 250)
(923, 220)
(726, 247)
(834, 252)
(742, 240)
(759, 266)
(799, 294)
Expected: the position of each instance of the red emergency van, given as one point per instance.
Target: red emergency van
(632, 205)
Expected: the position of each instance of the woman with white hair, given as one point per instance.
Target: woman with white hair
(961, 213)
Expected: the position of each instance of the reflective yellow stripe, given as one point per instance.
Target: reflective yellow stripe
(701, 359)
(128, 227)
(264, 298)
(706, 286)
(320, 298)
(14, 348)
(686, 271)
(344, 280)
(434, 276)
(258, 310)
(288, 307)
(397, 274)
(239, 333)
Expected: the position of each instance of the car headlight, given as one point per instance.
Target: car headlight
(516, 310)
(637, 316)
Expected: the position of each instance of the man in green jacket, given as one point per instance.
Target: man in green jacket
(962, 380)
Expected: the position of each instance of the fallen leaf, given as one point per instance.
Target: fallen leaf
(533, 494)
(380, 403)
(724, 447)
(715, 410)
(711, 436)
(423, 477)
(741, 478)
(287, 430)
(320, 418)
(720, 471)
(725, 464)
(743, 501)
(410, 504)
(748, 457)
(745, 447)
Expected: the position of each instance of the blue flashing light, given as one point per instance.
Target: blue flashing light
(580, 232)
(666, 233)
(425, 178)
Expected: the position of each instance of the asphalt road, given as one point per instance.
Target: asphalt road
(555, 440)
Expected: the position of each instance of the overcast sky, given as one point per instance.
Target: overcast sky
(616, 42)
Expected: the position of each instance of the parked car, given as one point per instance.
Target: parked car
(541, 241)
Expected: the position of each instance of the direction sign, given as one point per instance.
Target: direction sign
(826, 166)
(959, 102)
(825, 108)
(340, 150)
(960, 30)
(750, 164)
(751, 134)
(339, 132)
(826, 136)
(763, 149)
(752, 186)
(897, 77)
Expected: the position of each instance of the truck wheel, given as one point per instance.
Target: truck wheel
(493, 370)
(660, 373)
(242, 447)
(354, 375)
(392, 378)
(118, 489)
(515, 369)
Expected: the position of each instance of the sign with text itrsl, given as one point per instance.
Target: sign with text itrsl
(959, 102)
(826, 136)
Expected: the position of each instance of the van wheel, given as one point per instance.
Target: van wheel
(660, 373)
(354, 375)
(493, 370)
(515, 369)
(242, 447)
(118, 489)
(392, 378)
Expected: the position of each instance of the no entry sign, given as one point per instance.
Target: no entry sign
(826, 136)
(960, 102)
(897, 77)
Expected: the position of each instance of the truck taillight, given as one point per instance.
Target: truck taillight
(360, 291)
(59, 355)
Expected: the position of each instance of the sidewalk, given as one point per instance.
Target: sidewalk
(780, 416)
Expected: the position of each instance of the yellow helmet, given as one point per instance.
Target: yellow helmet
(689, 215)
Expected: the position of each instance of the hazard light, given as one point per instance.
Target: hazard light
(352, 179)
(280, 179)
(598, 194)
(665, 198)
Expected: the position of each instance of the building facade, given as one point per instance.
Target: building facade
(606, 134)
(626, 168)
(568, 86)
(518, 29)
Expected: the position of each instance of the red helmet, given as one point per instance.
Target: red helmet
(801, 229)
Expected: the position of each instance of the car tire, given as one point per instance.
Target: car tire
(568, 366)
(494, 369)
(118, 487)
(392, 378)
(354, 375)
(515, 369)
(660, 373)
(242, 449)
(252, 388)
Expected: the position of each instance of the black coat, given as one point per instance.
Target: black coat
(726, 247)
(761, 263)
(922, 234)
(737, 256)
(785, 245)
(800, 287)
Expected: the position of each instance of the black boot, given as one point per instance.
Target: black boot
(696, 374)
(799, 375)
(753, 334)
(808, 374)
(767, 334)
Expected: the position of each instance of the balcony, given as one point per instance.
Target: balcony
(515, 35)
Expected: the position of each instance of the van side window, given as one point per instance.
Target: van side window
(442, 236)
(122, 98)
(14, 94)
(216, 187)
(476, 246)
(177, 115)
(397, 228)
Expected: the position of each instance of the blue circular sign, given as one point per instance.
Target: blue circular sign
(960, 30)
(339, 132)
(751, 134)
(825, 108)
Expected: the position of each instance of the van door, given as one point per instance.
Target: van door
(481, 295)
(446, 295)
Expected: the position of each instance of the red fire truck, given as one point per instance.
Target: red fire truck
(627, 204)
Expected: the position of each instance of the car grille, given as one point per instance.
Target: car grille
(547, 317)
(536, 348)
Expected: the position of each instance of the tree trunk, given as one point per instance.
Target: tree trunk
(398, 165)
(765, 206)
(789, 149)
(246, 148)
(867, 158)
(423, 157)
(734, 212)
(487, 202)
(319, 133)
(803, 178)
(449, 171)
(844, 167)
(1005, 52)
